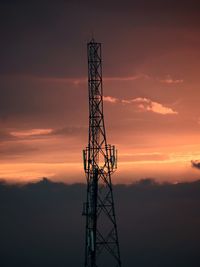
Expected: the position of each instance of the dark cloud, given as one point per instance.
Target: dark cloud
(36, 36)
(5, 135)
(41, 224)
(49, 38)
(71, 131)
(195, 164)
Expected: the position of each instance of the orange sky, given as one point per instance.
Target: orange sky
(151, 60)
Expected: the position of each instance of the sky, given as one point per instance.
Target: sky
(151, 62)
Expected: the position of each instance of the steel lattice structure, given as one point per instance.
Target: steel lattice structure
(100, 161)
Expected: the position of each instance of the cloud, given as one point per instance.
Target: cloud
(31, 132)
(83, 80)
(170, 80)
(70, 130)
(37, 133)
(110, 99)
(127, 78)
(195, 164)
(41, 224)
(62, 80)
(145, 104)
(5, 135)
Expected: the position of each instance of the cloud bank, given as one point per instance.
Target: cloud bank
(41, 224)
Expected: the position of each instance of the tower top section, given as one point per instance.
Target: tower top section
(93, 41)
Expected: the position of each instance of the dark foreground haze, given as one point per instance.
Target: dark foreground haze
(41, 224)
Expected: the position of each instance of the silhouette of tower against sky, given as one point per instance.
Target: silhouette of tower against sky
(100, 161)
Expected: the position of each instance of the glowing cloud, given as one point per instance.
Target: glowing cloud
(145, 104)
(169, 80)
(32, 132)
(127, 78)
(110, 99)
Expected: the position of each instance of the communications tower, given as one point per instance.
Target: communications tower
(100, 161)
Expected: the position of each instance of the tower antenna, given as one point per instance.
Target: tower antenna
(100, 161)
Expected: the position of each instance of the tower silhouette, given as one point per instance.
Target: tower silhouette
(100, 161)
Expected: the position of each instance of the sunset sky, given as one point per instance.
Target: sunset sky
(151, 63)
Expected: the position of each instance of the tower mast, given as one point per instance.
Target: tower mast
(100, 161)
